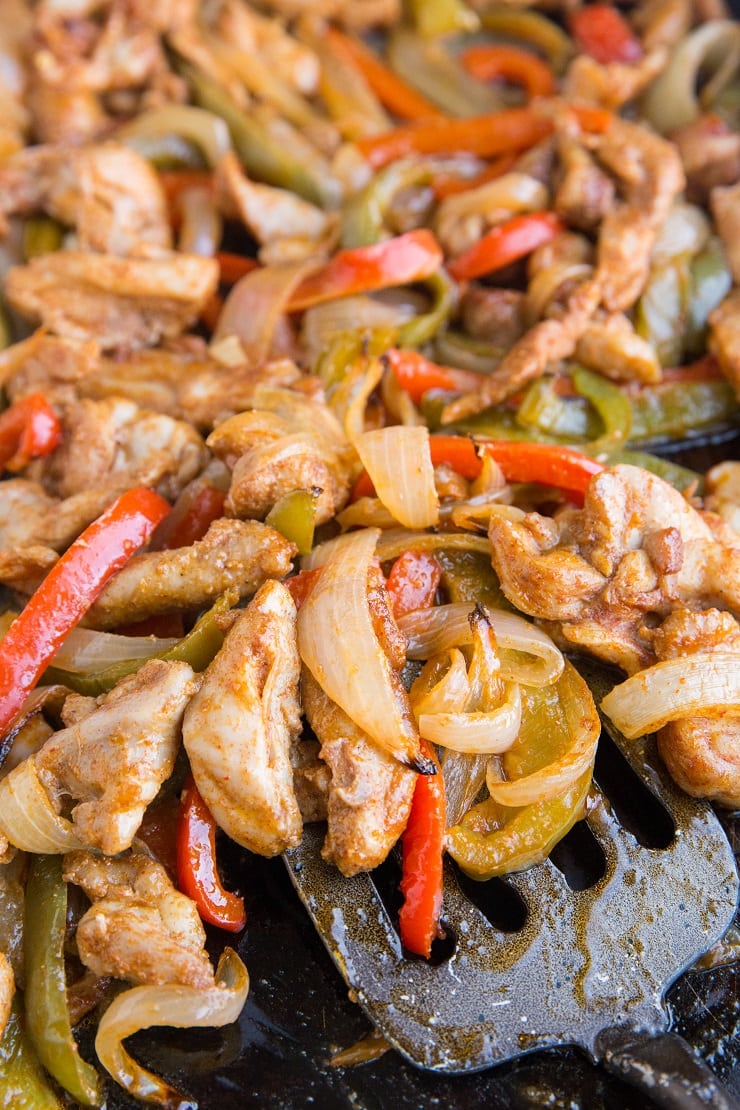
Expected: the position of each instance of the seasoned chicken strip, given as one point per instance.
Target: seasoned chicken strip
(241, 724)
(112, 763)
(725, 205)
(138, 928)
(233, 553)
(724, 337)
(130, 302)
(369, 793)
(108, 193)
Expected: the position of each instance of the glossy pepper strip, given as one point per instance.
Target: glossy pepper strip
(417, 375)
(521, 67)
(68, 591)
(423, 844)
(549, 464)
(506, 243)
(199, 504)
(24, 1084)
(603, 32)
(197, 875)
(47, 1012)
(413, 581)
(391, 90)
(29, 429)
(406, 258)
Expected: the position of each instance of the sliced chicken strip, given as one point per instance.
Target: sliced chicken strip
(724, 337)
(725, 205)
(112, 763)
(233, 553)
(129, 302)
(108, 193)
(138, 928)
(241, 724)
(369, 793)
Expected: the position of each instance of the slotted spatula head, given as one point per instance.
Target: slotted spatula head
(583, 961)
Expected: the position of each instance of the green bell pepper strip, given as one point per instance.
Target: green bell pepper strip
(197, 648)
(294, 517)
(661, 312)
(262, 155)
(612, 406)
(364, 214)
(23, 1083)
(441, 17)
(47, 1014)
(710, 282)
(678, 476)
(41, 235)
(672, 410)
(469, 576)
(533, 29)
(420, 329)
(439, 76)
(455, 348)
(562, 419)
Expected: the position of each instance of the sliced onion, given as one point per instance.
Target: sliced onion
(446, 694)
(580, 736)
(255, 305)
(181, 1007)
(200, 228)
(201, 128)
(672, 100)
(324, 322)
(703, 685)
(685, 230)
(464, 775)
(431, 631)
(338, 644)
(27, 817)
(399, 462)
(484, 733)
(86, 650)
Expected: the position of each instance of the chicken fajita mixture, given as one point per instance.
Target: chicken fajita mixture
(343, 348)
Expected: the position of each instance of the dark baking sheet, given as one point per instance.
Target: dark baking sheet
(298, 1015)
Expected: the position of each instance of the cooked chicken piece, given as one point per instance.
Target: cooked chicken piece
(130, 302)
(611, 345)
(687, 631)
(7, 990)
(233, 554)
(241, 724)
(23, 568)
(14, 115)
(311, 779)
(651, 176)
(463, 218)
(725, 205)
(297, 445)
(115, 444)
(24, 506)
(113, 762)
(359, 15)
(369, 793)
(614, 84)
(663, 22)
(48, 364)
(722, 485)
(287, 227)
(496, 315)
(710, 152)
(138, 928)
(724, 337)
(545, 343)
(251, 33)
(585, 193)
(108, 193)
(635, 551)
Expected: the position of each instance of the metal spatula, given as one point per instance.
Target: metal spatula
(587, 967)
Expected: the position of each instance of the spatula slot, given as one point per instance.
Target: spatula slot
(497, 900)
(637, 808)
(386, 880)
(579, 857)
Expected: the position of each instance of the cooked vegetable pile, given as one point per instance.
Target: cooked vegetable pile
(338, 341)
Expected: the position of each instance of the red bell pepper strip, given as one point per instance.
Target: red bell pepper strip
(234, 266)
(492, 61)
(68, 591)
(29, 429)
(300, 585)
(421, 869)
(197, 875)
(193, 513)
(391, 90)
(413, 581)
(416, 374)
(564, 468)
(506, 243)
(603, 32)
(513, 129)
(705, 369)
(406, 258)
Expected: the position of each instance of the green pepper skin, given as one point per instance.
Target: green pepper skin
(293, 516)
(47, 1013)
(23, 1082)
(673, 410)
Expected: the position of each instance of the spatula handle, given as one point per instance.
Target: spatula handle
(666, 1069)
